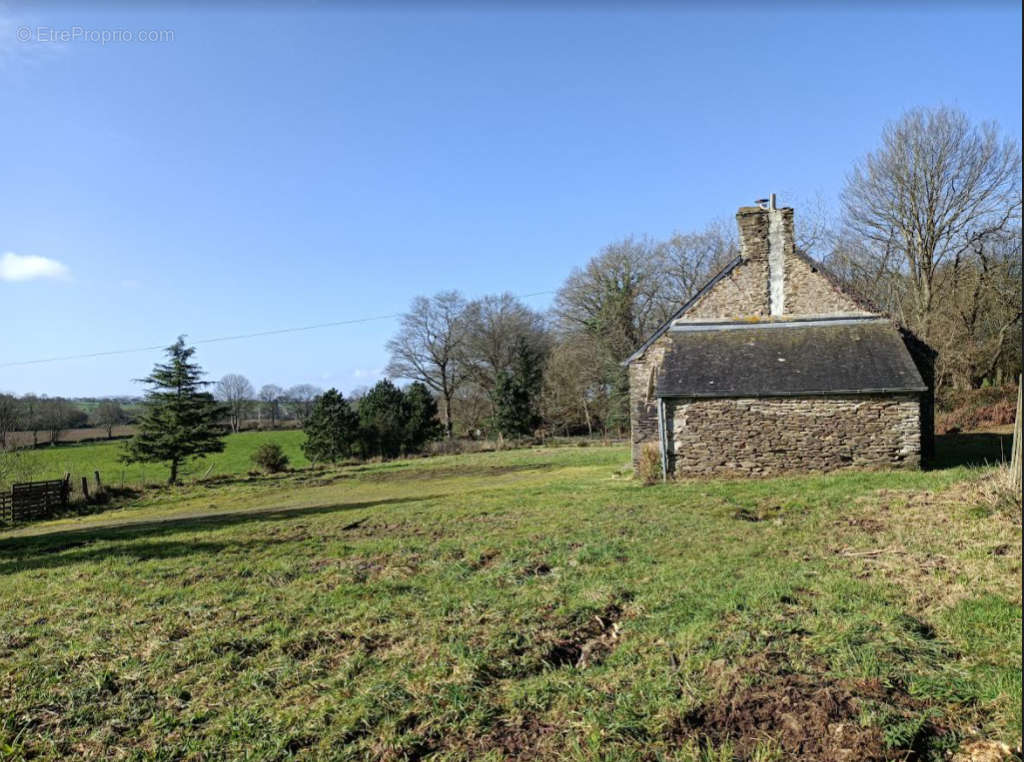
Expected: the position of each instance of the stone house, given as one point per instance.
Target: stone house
(773, 367)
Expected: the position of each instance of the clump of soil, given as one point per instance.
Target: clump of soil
(765, 511)
(525, 739)
(808, 717)
(985, 751)
(590, 642)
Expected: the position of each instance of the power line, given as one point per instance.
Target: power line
(236, 337)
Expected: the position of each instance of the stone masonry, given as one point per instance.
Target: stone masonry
(764, 436)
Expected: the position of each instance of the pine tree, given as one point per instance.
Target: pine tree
(179, 420)
(382, 420)
(517, 391)
(422, 422)
(332, 428)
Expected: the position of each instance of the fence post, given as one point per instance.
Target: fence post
(1015, 458)
(99, 485)
(85, 487)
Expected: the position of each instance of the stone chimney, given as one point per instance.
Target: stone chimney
(766, 239)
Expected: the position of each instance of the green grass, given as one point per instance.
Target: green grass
(533, 604)
(82, 459)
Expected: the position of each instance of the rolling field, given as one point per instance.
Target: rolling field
(530, 604)
(83, 459)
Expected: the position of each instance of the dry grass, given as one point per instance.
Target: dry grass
(648, 467)
(935, 545)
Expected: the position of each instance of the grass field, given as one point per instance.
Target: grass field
(532, 604)
(82, 459)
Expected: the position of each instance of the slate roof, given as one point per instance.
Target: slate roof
(849, 356)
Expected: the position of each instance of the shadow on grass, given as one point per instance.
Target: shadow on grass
(978, 449)
(136, 548)
(24, 552)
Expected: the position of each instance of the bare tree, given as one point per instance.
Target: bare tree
(573, 394)
(609, 308)
(56, 416)
(472, 409)
(619, 296)
(300, 399)
(937, 185)
(10, 415)
(109, 414)
(270, 402)
(428, 348)
(979, 313)
(235, 390)
(687, 260)
(493, 326)
(31, 416)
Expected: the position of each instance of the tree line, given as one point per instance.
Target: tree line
(48, 418)
(270, 405)
(181, 419)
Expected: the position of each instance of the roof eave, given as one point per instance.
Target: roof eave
(757, 395)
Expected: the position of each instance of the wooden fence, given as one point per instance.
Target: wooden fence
(30, 501)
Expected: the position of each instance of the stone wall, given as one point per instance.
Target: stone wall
(760, 437)
(643, 405)
(741, 293)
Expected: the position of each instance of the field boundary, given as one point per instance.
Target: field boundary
(29, 501)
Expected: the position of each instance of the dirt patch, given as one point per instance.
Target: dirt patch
(590, 642)
(527, 739)
(986, 751)
(483, 560)
(865, 524)
(539, 569)
(765, 511)
(809, 717)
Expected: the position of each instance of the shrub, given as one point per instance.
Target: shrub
(270, 457)
(972, 409)
(648, 467)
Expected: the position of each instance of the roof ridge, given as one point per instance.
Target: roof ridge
(809, 321)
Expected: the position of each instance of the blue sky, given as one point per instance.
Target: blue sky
(269, 168)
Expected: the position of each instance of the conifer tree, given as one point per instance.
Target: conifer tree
(179, 419)
(422, 423)
(331, 428)
(517, 392)
(382, 420)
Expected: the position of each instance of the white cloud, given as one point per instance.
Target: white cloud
(14, 267)
(360, 373)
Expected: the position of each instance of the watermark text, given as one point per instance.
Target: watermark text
(98, 36)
